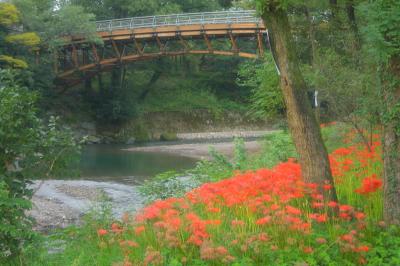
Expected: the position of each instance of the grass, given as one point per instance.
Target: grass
(249, 217)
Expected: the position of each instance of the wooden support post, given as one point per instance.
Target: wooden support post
(160, 45)
(116, 50)
(74, 55)
(55, 62)
(184, 44)
(234, 47)
(209, 46)
(123, 51)
(95, 54)
(260, 44)
(138, 47)
(85, 56)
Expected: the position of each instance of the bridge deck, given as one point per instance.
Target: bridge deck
(169, 26)
(205, 18)
(121, 35)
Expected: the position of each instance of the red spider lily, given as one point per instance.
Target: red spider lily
(369, 185)
(345, 208)
(342, 151)
(361, 249)
(139, 230)
(116, 228)
(102, 232)
(360, 215)
(348, 238)
(263, 220)
(293, 210)
(319, 218)
(332, 204)
(129, 243)
(308, 250)
(237, 223)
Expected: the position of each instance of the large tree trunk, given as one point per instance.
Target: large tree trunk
(391, 149)
(302, 123)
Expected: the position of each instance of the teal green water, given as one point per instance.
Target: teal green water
(112, 163)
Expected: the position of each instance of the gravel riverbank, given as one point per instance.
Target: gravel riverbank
(59, 203)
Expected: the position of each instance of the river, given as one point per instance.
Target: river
(116, 164)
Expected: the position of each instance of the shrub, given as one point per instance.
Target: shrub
(28, 149)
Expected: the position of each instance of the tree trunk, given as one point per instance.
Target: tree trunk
(353, 23)
(391, 149)
(302, 124)
(154, 78)
(311, 36)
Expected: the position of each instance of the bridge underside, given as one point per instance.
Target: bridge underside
(80, 60)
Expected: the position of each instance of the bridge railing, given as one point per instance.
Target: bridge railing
(223, 17)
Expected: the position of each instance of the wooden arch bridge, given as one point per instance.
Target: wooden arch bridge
(142, 38)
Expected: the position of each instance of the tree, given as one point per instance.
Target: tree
(301, 120)
(263, 81)
(29, 148)
(382, 37)
(11, 40)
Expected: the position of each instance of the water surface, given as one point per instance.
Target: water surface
(112, 163)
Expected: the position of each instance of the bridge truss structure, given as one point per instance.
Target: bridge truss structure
(143, 38)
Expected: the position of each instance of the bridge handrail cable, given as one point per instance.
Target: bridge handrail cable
(230, 17)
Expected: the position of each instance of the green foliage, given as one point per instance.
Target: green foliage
(9, 14)
(263, 81)
(10, 55)
(166, 185)
(12, 62)
(277, 147)
(71, 21)
(382, 36)
(386, 247)
(15, 227)
(183, 100)
(28, 149)
(27, 39)
(168, 136)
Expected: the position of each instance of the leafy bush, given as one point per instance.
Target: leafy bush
(277, 147)
(162, 186)
(15, 227)
(262, 79)
(28, 149)
(387, 245)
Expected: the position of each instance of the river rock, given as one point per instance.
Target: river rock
(93, 140)
(130, 141)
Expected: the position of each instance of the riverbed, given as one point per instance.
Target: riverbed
(114, 172)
